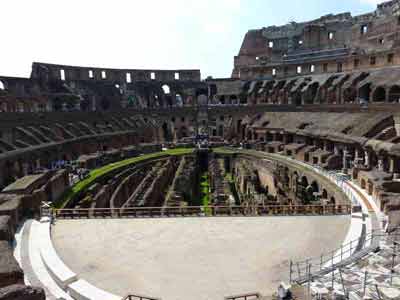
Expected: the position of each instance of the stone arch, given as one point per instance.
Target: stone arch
(165, 132)
(233, 99)
(379, 94)
(249, 135)
(221, 130)
(304, 181)
(315, 186)
(363, 184)
(349, 95)
(202, 100)
(297, 99)
(105, 103)
(183, 132)
(179, 100)
(394, 94)
(364, 92)
(312, 93)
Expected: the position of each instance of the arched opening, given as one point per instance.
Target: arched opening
(304, 181)
(165, 131)
(179, 100)
(312, 93)
(364, 92)
(221, 130)
(297, 99)
(379, 95)
(363, 184)
(394, 94)
(202, 100)
(57, 105)
(105, 104)
(332, 201)
(184, 132)
(166, 89)
(84, 105)
(324, 194)
(349, 95)
(315, 187)
(234, 100)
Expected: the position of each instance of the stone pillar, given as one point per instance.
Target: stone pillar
(274, 136)
(2, 174)
(366, 159)
(392, 165)
(336, 149)
(38, 163)
(356, 154)
(285, 138)
(345, 156)
(25, 168)
(381, 166)
(326, 147)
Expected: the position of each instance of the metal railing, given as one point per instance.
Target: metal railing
(203, 211)
(249, 296)
(366, 281)
(303, 271)
(138, 297)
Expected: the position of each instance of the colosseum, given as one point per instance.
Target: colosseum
(280, 182)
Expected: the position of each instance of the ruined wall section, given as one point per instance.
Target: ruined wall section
(46, 72)
(332, 43)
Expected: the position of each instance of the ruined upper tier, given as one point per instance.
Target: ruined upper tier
(332, 43)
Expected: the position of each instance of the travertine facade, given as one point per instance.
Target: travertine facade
(332, 43)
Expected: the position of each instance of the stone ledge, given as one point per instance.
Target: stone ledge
(83, 290)
(55, 266)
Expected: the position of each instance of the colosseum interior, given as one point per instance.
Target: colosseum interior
(280, 182)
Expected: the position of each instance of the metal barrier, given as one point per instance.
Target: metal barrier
(250, 296)
(366, 280)
(303, 271)
(138, 297)
(202, 211)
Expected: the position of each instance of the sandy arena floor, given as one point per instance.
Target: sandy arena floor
(193, 258)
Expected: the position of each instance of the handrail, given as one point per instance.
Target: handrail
(256, 210)
(139, 297)
(244, 296)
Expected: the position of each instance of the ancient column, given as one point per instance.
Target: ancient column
(345, 155)
(366, 159)
(381, 166)
(336, 149)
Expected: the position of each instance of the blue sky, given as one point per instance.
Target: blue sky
(154, 34)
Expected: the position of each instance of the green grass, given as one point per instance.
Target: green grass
(224, 151)
(96, 174)
(205, 193)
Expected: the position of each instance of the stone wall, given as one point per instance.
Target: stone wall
(332, 43)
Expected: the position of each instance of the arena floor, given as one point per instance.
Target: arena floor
(193, 258)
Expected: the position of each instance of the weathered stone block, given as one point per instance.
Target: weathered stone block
(6, 229)
(22, 292)
(10, 272)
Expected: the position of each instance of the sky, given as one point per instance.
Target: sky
(147, 34)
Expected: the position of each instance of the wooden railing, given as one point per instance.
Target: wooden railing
(203, 211)
(250, 296)
(138, 297)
